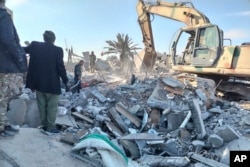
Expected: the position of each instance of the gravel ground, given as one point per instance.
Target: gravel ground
(31, 148)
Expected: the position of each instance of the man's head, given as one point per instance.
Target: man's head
(49, 36)
(81, 62)
(2, 1)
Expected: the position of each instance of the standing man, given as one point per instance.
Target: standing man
(92, 59)
(78, 75)
(13, 65)
(46, 68)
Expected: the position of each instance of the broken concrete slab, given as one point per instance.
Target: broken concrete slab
(215, 140)
(175, 120)
(116, 117)
(155, 161)
(207, 161)
(198, 145)
(32, 118)
(196, 117)
(172, 147)
(112, 128)
(158, 98)
(162, 99)
(83, 117)
(66, 120)
(227, 133)
(98, 95)
(102, 65)
(241, 144)
(17, 112)
(170, 81)
(141, 136)
(125, 112)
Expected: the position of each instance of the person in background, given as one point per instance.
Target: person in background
(45, 72)
(78, 75)
(13, 66)
(92, 59)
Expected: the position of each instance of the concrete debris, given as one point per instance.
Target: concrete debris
(170, 81)
(17, 111)
(98, 95)
(66, 120)
(215, 140)
(32, 118)
(113, 129)
(102, 65)
(216, 110)
(124, 111)
(241, 144)
(227, 133)
(116, 117)
(197, 119)
(141, 136)
(206, 161)
(198, 144)
(171, 120)
(156, 161)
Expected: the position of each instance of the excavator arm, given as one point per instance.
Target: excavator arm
(204, 53)
(182, 11)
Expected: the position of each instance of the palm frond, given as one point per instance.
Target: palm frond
(123, 45)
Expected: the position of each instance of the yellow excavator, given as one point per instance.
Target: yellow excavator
(198, 47)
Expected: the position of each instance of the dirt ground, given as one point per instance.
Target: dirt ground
(31, 148)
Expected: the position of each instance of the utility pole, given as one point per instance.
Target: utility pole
(69, 52)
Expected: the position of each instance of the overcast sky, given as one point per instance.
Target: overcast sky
(87, 24)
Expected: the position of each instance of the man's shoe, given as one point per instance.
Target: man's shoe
(42, 128)
(50, 132)
(54, 131)
(6, 134)
(12, 128)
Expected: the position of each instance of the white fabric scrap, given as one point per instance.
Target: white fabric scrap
(110, 157)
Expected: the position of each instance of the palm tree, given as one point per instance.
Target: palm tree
(124, 47)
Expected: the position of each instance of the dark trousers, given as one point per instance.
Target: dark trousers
(48, 107)
(78, 86)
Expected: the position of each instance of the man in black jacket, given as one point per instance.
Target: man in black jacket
(46, 68)
(13, 65)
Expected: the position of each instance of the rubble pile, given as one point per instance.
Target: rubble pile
(167, 121)
(171, 120)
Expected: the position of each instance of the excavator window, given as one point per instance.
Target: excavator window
(202, 41)
(181, 46)
(184, 47)
(188, 52)
(205, 53)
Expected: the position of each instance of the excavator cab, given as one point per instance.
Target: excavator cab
(196, 46)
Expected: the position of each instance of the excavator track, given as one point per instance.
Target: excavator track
(234, 90)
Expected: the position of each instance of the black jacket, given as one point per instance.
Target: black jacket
(46, 67)
(12, 55)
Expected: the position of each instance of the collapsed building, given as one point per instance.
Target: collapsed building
(148, 120)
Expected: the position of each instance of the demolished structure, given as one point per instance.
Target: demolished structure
(170, 120)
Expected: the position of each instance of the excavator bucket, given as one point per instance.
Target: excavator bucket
(144, 61)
